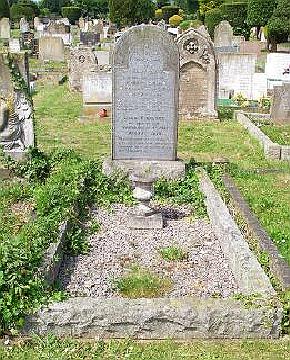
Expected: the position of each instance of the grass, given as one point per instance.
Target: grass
(57, 113)
(278, 133)
(57, 125)
(68, 349)
(141, 283)
(173, 253)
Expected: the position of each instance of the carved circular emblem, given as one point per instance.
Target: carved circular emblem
(82, 59)
(191, 45)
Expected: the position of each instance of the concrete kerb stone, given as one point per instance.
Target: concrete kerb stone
(244, 265)
(54, 255)
(255, 312)
(272, 150)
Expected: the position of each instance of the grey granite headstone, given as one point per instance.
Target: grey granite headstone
(145, 95)
(223, 34)
(280, 111)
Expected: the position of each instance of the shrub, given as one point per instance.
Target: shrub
(175, 20)
(169, 11)
(24, 8)
(236, 14)
(4, 9)
(73, 13)
(212, 19)
(225, 113)
(158, 14)
(185, 24)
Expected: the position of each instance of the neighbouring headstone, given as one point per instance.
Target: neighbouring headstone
(104, 57)
(112, 30)
(277, 69)
(145, 102)
(280, 111)
(24, 25)
(89, 38)
(27, 39)
(82, 59)
(224, 38)
(51, 48)
(36, 22)
(16, 119)
(198, 75)
(236, 74)
(81, 23)
(4, 28)
(14, 45)
(97, 89)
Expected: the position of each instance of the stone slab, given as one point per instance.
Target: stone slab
(157, 169)
(145, 95)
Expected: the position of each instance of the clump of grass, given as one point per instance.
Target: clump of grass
(141, 283)
(173, 253)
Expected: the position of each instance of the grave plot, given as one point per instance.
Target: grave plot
(158, 268)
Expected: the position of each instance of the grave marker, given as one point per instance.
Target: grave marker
(280, 111)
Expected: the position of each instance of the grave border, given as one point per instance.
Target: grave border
(256, 313)
(272, 151)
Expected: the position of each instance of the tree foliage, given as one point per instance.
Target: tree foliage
(206, 5)
(4, 9)
(169, 11)
(94, 8)
(24, 8)
(212, 18)
(260, 11)
(73, 13)
(235, 11)
(279, 24)
(131, 12)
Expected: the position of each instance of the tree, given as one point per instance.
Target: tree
(93, 8)
(259, 12)
(235, 11)
(279, 24)
(4, 9)
(212, 18)
(206, 5)
(131, 12)
(27, 8)
(54, 6)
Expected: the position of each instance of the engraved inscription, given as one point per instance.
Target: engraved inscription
(145, 105)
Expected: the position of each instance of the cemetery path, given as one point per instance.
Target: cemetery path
(116, 248)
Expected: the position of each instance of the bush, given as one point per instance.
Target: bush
(225, 113)
(24, 8)
(4, 9)
(158, 14)
(175, 20)
(212, 19)
(279, 24)
(73, 13)
(236, 14)
(185, 24)
(62, 187)
(169, 11)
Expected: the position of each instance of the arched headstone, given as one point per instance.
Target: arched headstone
(145, 95)
(198, 75)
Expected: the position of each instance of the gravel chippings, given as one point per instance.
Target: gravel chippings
(115, 248)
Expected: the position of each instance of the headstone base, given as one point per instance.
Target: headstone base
(17, 155)
(153, 221)
(157, 169)
(92, 112)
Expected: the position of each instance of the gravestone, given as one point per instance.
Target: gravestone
(4, 28)
(89, 38)
(24, 25)
(81, 23)
(224, 38)
(14, 45)
(145, 103)
(82, 59)
(236, 74)
(277, 69)
(97, 89)
(198, 75)
(280, 110)
(36, 22)
(51, 48)
(104, 57)
(16, 119)
(27, 39)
